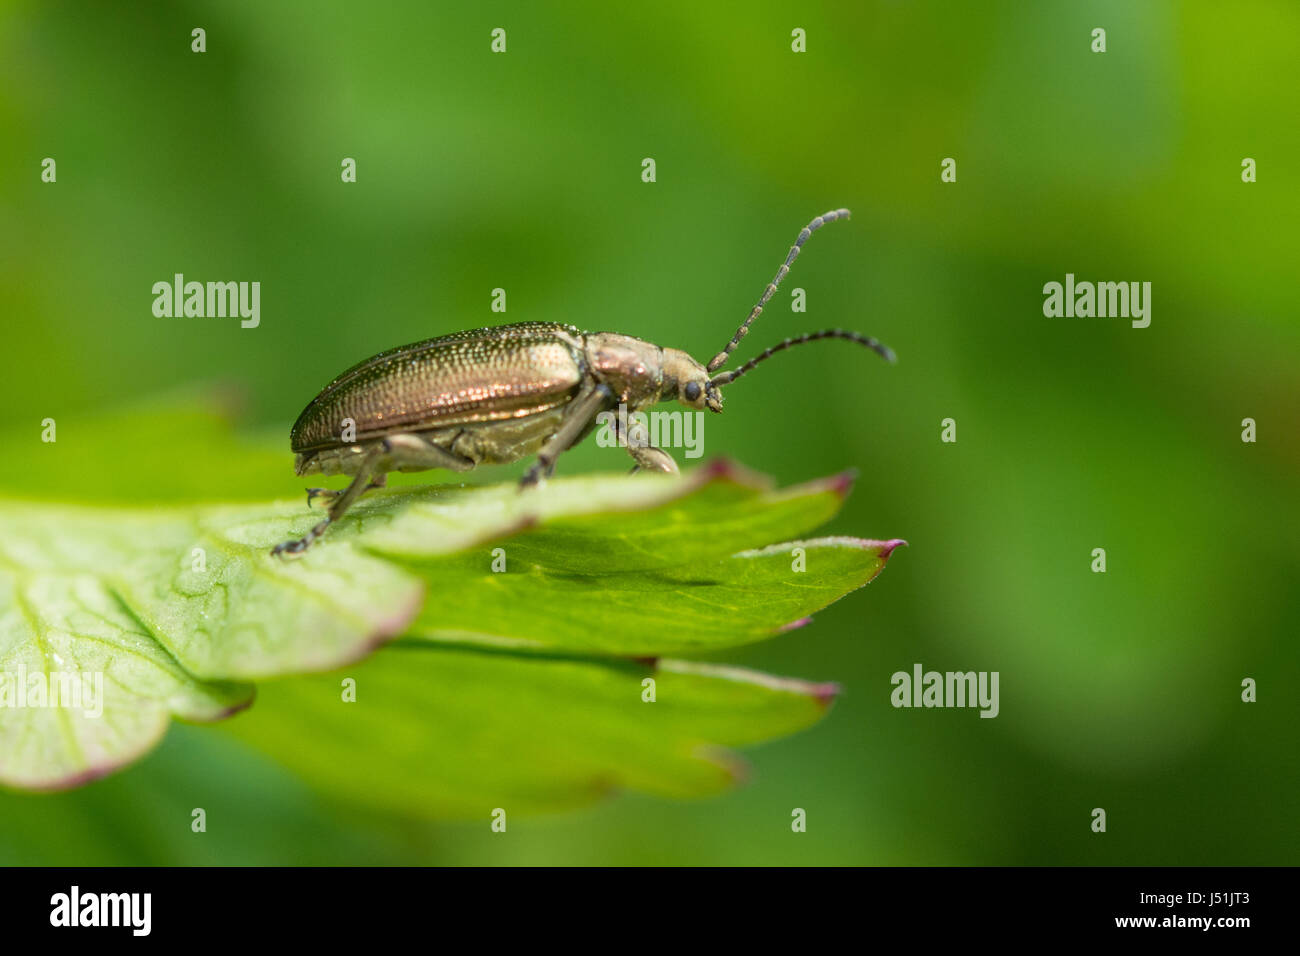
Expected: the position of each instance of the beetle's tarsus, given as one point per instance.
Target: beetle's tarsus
(297, 546)
(287, 548)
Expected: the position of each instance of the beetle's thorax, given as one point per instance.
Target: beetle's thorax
(632, 368)
(641, 373)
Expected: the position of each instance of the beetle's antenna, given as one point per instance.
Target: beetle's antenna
(808, 230)
(864, 340)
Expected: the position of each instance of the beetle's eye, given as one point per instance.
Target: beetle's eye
(692, 391)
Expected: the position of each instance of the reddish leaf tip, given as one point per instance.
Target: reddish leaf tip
(887, 547)
(842, 483)
(825, 693)
(727, 469)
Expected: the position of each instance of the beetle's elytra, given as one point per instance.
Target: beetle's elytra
(496, 395)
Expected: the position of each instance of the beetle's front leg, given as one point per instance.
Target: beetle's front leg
(581, 414)
(645, 455)
(653, 459)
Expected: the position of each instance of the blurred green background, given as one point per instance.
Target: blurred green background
(522, 171)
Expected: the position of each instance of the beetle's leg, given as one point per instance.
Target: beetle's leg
(329, 494)
(396, 452)
(576, 422)
(365, 472)
(645, 455)
(408, 452)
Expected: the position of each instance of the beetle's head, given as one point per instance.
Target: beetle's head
(688, 381)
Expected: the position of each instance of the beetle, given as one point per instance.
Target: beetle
(492, 396)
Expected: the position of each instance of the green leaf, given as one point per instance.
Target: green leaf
(178, 607)
(454, 732)
(200, 583)
(698, 606)
(634, 523)
(67, 639)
